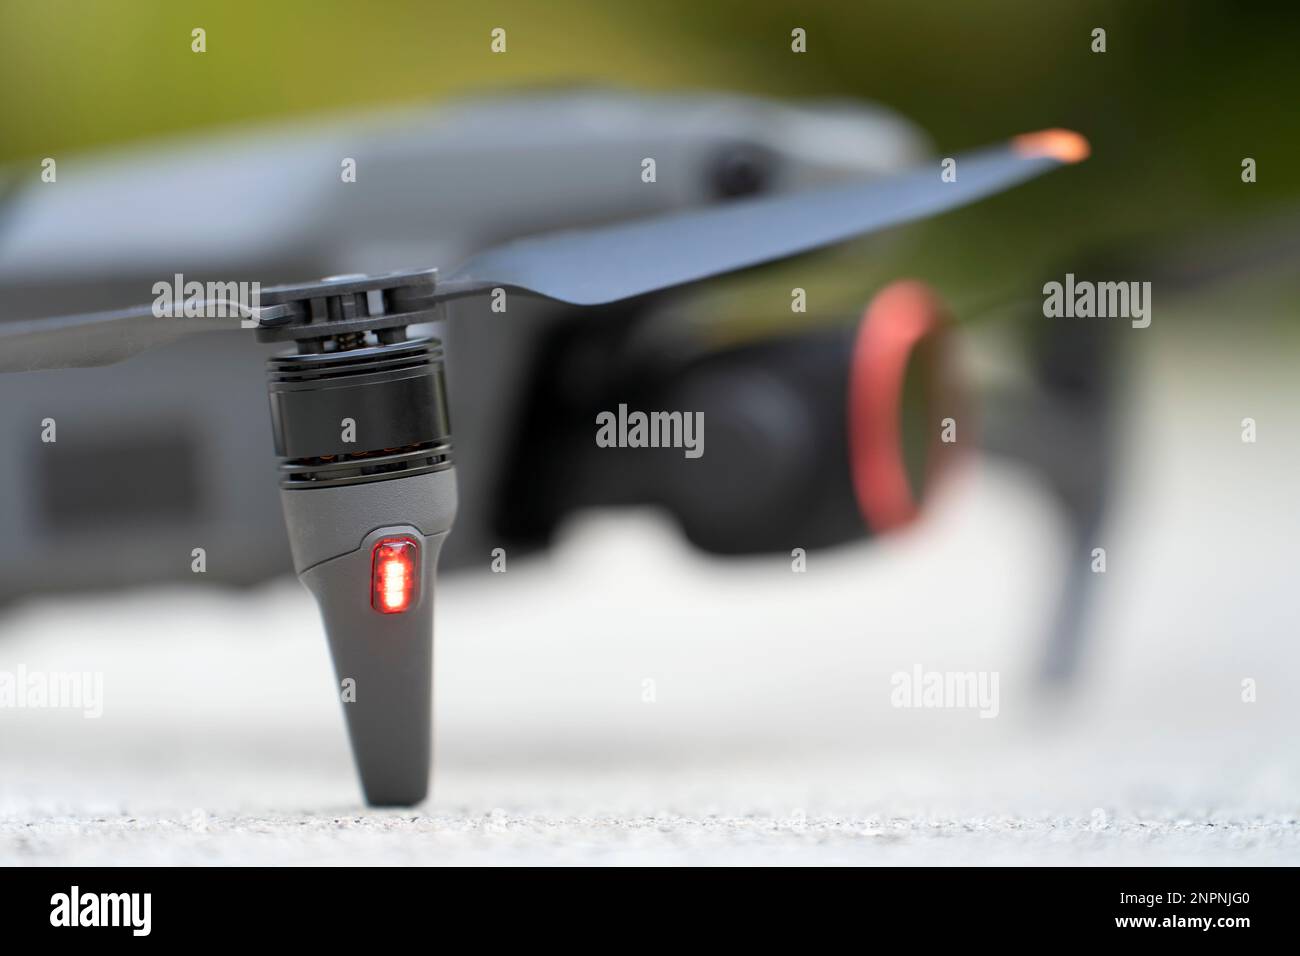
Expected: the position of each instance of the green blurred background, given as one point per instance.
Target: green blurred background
(1183, 93)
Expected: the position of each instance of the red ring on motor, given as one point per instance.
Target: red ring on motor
(898, 320)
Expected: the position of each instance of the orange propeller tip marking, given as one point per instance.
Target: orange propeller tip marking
(1063, 145)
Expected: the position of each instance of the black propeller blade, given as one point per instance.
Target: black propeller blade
(594, 266)
(98, 338)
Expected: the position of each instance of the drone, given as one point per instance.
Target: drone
(361, 421)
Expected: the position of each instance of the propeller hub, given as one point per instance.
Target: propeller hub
(339, 312)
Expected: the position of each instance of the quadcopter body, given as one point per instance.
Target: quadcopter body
(362, 426)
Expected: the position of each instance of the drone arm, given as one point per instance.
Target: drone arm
(383, 662)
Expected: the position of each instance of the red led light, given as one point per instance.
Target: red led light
(394, 575)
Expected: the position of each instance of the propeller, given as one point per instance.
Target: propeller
(606, 264)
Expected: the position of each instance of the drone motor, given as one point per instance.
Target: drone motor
(360, 424)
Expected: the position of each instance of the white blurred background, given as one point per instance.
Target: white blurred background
(771, 736)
